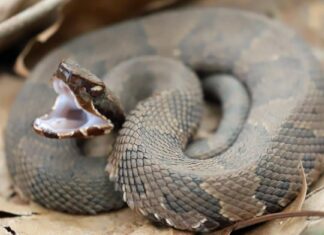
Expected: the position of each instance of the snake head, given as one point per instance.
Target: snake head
(83, 108)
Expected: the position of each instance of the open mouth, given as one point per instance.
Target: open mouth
(68, 119)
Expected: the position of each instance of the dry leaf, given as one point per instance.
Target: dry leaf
(9, 86)
(315, 228)
(9, 8)
(33, 18)
(19, 66)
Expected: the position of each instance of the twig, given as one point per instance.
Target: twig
(27, 18)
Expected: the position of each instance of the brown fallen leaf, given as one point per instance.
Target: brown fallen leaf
(314, 228)
(9, 8)
(42, 37)
(9, 86)
(33, 18)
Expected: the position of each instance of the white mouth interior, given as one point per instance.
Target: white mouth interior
(67, 116)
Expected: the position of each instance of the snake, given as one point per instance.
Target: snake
(145, 78)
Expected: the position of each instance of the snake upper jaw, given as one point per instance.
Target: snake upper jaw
(69, 119)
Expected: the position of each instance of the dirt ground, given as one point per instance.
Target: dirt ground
(20, 217)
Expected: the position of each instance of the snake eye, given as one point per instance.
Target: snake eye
(96, 91)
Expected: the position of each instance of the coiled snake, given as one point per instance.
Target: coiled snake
(255, 169)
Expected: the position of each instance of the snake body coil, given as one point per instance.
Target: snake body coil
(256, 174)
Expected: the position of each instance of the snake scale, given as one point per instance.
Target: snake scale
(257, 172)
